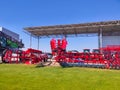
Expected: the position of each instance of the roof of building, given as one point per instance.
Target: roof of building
(74, 29)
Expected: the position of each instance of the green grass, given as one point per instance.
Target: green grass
(27, 77)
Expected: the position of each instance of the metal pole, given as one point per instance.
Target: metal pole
(38, 42)
(30, 40)
(101, 34)
(100, 38)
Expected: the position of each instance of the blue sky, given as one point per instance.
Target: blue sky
(17, 14)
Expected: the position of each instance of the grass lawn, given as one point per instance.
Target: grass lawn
(27, 77)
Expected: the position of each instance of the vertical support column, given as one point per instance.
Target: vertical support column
(30, 40)
(100, 38)
(38, 42)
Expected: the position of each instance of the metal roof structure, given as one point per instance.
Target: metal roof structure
(75, 29)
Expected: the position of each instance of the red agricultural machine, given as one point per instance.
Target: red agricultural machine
(10, 52)
(30, 56)
(107, 57)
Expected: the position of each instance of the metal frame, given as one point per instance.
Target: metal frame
(72, 30)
